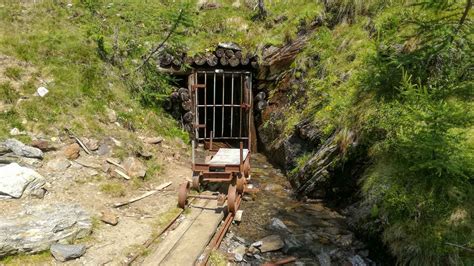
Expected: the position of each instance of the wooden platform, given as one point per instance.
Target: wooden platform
(226, 156)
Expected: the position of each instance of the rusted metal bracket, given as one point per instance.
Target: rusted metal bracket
(194, 87)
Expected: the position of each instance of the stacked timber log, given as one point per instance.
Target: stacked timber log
(179, 104)
(226, 55)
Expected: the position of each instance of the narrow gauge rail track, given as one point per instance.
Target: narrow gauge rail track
(203, 209)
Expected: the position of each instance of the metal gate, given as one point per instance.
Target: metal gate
(222, 104)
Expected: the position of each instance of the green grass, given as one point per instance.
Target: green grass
(41, 258)
(13, 73)
(113, 189)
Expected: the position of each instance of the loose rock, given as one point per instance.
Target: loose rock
(271, 243)
(278, 225)
(16, 180)
(43, 145)
(111, 115)
(20, 149)
(91, 144)
(134, 167)
(58, 164)
(109, 217)
(36, 228)
(63, 252)
(72, 151)
(154, 140)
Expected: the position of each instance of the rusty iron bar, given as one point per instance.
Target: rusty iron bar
(214, 108)
(232, 106)
(281, 261)
(217, 180)
(205, 105)
(219, 235)
(210, 197)
(241, 99)
(151, 240)
(223, 103)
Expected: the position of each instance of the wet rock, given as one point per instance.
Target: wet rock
(134, 167)
(20, 149)
(324, 259)
(72, 151)
(292, 245)
(357, 260)
(16, 180)
(278, 225)
(36, 228)
(58, 164)
(63, 252)
(252, 250)
(271, 243)
(109, 217)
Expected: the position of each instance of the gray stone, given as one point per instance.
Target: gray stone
(271, 243)
(357, 260)
(324, 259)
(63, 252)
(16, 180)
(36, 228)
(20, 149)
(278, 225)
(239, 253)
(58, 164)
(104, 149)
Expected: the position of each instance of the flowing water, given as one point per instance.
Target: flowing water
(311, 232)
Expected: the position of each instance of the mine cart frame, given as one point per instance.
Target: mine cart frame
(222, 165)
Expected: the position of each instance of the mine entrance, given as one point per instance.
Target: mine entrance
(222, 101)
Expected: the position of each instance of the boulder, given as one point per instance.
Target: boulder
(58, 164)
(36, 228)
(134, 167)
(20, 149)
(16, 180)
(271, 243)
(64, 252)
(72, 151)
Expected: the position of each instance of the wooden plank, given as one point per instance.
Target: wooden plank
(147, 194)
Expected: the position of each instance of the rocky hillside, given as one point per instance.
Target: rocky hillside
(369, 106)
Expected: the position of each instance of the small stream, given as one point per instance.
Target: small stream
(311, 232)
